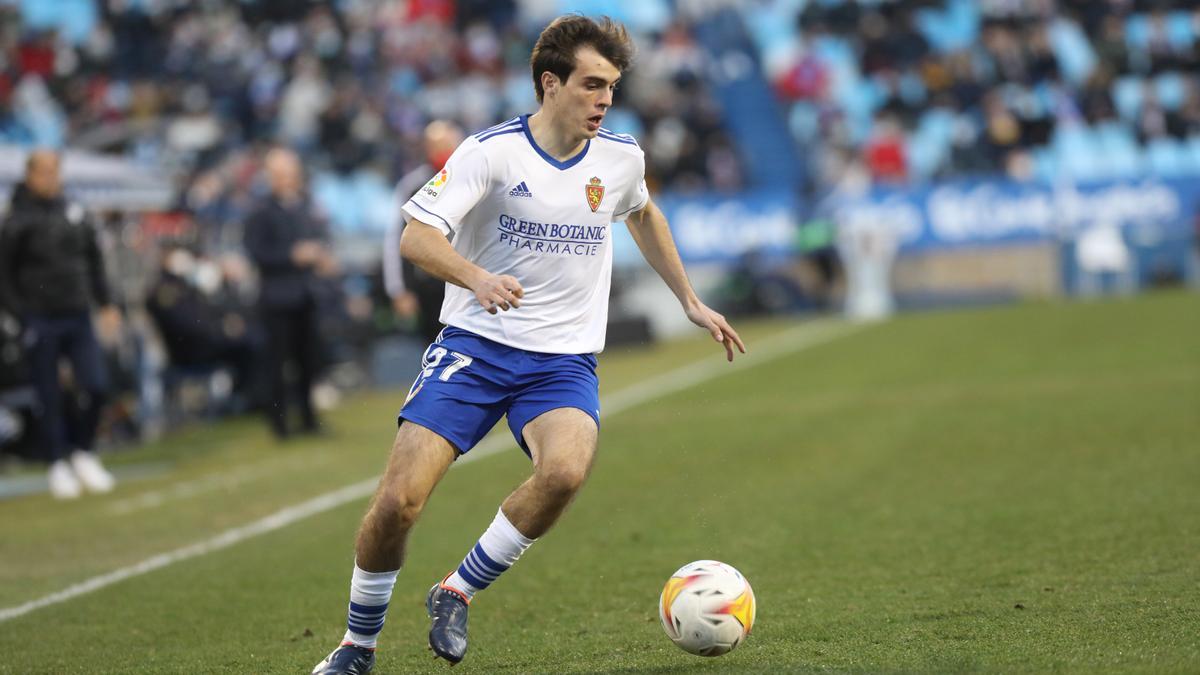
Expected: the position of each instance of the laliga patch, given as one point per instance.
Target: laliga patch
(433, 189)
(595, 193)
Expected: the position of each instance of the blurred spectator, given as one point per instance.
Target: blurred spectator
(806, 79)
(290, 245)
(1096, 100)
(1110, 44)
(885, 154)
(200, 328)
(304, 98)
(1040, 85)
(198, 87)
(414, 292)
(51, 275)
(1189, 113)
(1154, 121)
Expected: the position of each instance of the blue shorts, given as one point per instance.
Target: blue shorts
(467, 382)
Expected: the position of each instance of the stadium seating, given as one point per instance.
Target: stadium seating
(198, 88)
(990, 46)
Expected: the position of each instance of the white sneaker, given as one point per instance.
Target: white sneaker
(63, 483)
(91, 472)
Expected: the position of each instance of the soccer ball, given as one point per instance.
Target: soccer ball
(707, 608)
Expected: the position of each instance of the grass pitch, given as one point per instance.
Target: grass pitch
(1007, 489)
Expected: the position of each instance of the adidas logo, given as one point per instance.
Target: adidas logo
(520, 191)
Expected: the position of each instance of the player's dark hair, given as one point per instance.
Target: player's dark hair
(556, 46)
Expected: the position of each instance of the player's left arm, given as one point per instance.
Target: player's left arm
(652, 235)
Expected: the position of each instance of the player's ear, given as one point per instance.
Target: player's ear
(550, 83)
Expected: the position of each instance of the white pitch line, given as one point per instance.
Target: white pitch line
(788, 342)
(212, 482)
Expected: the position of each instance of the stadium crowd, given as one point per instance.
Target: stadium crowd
(912, 90)
(200, 86)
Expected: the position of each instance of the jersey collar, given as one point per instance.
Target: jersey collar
(550, 160)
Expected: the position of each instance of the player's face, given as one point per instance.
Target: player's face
(588, 92)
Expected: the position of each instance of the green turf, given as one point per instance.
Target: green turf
(1009, 489)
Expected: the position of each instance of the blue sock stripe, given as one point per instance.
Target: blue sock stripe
(359, 618)
(471, 578)
(478, 571)
(366, 619)
(368, 609)
(364, 629)
(487, 561)
(484, 567)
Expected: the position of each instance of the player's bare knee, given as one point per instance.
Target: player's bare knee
(398, 508)
(562, 480)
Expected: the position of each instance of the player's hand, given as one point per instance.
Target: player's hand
(108, 325)
(498, 291)
(718, 327)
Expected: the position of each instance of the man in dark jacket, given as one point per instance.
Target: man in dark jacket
(51, 276)
(288, 243)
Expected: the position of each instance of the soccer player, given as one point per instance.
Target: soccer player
(529, 204)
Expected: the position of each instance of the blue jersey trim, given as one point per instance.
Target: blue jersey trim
(490, 129)
(610, 132)
(616, 138)
(550, 160)
(444, 221)
(513, 130)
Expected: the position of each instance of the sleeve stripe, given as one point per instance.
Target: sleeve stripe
(513, 130)
(610, 132)
(443, 220)
(621, 216)
(515, 120)
(617, 139)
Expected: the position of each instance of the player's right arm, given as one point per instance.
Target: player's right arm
(426, 247)
(436, 212)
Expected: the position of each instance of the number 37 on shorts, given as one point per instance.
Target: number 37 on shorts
(432, 360)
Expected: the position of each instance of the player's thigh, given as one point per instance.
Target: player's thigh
(418, 460)
(462, 390)
(558, 391)
(562, 439)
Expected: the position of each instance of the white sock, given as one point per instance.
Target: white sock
(370, 593)
(496, 551)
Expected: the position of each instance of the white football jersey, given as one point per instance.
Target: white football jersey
(513, 209)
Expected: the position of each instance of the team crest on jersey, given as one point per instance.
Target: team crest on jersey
(595, 193)
(433, 189)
